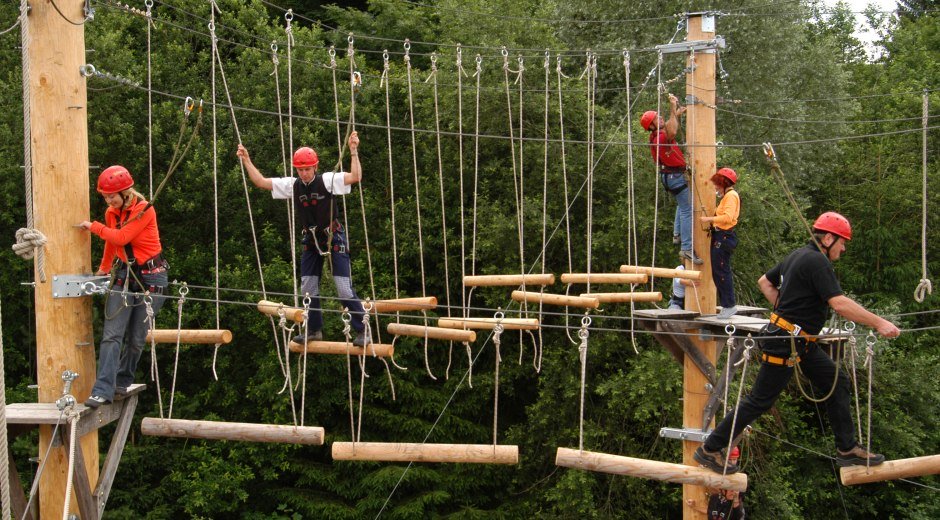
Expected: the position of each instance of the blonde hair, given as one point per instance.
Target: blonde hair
(129, 195)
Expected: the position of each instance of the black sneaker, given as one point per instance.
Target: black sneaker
(120, 391)
(685, 254)
(360, 340)
(95, 401)
(316, 335)
(714, 460)
(858, 456)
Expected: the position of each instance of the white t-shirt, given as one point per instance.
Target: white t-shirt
(283, 187)
(678, 290)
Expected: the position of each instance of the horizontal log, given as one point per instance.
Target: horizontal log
(604, 278)
(488, 323)
(232, 431)
(626, 297)
(508, 280)
(414, 452)
(190, 336)
(340, 347)
(420, 303)
(273, 308)
(891, 470)
(419, 331)
(662, 272)
(555, 299)
(642, 468)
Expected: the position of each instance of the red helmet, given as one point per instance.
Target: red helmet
(647, 119)
(114, 179)
(832, 222)
(735, 453)
(305, 157)
(727, 173)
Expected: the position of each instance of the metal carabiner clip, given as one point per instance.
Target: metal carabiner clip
(188, 105)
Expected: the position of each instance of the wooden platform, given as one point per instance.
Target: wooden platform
(89, 418)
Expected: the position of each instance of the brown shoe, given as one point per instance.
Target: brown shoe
(714, 460)
(858, 456)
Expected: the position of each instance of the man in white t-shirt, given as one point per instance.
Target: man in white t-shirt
(323, 236)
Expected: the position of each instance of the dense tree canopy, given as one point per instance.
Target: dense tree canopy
(845, 125)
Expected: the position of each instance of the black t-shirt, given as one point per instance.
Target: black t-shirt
(806, 280)
(720, 508)
(316, 207)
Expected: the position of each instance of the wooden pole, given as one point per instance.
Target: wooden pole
(662, 272)
(58, 108)
(584, 301)
(489, 323)
(642, 468)
(413, 452)
(508, 280)
(891, 470)
(420, 331)
(275, 309)
(232, 431)
(342, 348)
(190, 336)
(626, 297)
(402, 304)
(622, 278)
(700, 136)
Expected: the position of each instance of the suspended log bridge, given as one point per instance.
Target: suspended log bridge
(274, 309)
(489, 323)
(642, 468)
(494, 280)
(232, 431)
(625, 297)
(420, 303)
(582, 301)
(419, 331)
(416, 452)
(662, 272)
(342, 348)
(190, 336)
(890, 470)
(604, 278)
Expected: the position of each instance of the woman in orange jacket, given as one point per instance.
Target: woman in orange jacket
(132, 244)
(724, 239)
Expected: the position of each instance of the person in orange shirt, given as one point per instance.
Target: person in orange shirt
(132, 243)
(724, 239)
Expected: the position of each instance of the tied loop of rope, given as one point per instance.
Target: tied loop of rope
(154, 368)
(923, 289)
(749, 345)
(730, 329)
(870, 342)
(582, 354)
(29, 243)
(497, 333)
(183, 290)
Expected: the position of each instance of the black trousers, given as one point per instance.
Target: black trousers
(723, 244)
(816, 365)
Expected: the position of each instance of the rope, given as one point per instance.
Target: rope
(538, 359)
(497, 332)
(564, 177)
(582, 355)
(924, 287)
(463, 252)
(184, 290)
(749, 345)
(591, 71)
(288, 171)
(70, 473)
(4, 443)
(870, 342)
(391, 177)
(37, 240)
(148, 14)
(154, 368)
(631, 196)
(440, 176)
(476, 175)
(215, 208)
(659, 110)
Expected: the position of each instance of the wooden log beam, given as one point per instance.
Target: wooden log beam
(600, 278)
(582, 301)
(642, 468)
(489, 323)
(626, 297)
(693, 354)
(415, 452)
(662, 272)
(274, 309)
(421, 303)
(232, 431)
(890, 470)
(341, 347)
(508, 280)
(190, 336)
(419, 331)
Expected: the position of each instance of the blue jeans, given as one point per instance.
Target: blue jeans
(676, 184)
(311, 268)
(125, 325)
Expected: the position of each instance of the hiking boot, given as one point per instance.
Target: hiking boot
(858, 456)
(316, 335)
(685, 254)
(676, 239)
(360, 340)
(728, 312)
(95, 401)
(714, 460)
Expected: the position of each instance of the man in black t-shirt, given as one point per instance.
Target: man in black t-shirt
(802, 288)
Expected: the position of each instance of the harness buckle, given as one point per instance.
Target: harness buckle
(796, 330)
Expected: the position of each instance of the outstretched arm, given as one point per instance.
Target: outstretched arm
(256, 178)
(354, 174)
(672, 124)
(850, 310)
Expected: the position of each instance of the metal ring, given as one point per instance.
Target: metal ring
(307, 300)
(87, 70)
(871, 339)
(211, 26)
(626, 53)
(504, 52)
(385, 54)
(499, 315)
(148, 4)
(345, 317)
(350, 39)
(184, 290)
(188, 104)
(148, 300)
(749, 341)
(730, 329)
(367, 306)
(434, 57)
(289, 15)
(89, 287)
(459, 50)
(586, 321)
(332, 51)
(407, 45)
(849, 326)
(479, 59)
(274, 46)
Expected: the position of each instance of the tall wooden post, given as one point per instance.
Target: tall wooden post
(59, 144)
(700, 136)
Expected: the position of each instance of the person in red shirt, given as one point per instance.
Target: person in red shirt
(671, 166)
(132, 244)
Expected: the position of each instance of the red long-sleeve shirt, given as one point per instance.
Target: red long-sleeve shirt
(123, 227)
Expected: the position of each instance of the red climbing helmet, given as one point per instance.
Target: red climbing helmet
(114, 179)
(305, 157)
(832, 222)
(735, 453)
(727, 173)
(647, 118)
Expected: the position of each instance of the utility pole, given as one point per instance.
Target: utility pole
(55, 50)
(700, 137)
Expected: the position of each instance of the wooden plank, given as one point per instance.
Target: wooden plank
(232, 431)
(112, 460)
(665, 314)
(742, 324)
(420, 303)
(747, 310)
(655, 470)
(508, 280)
(891, 470)
(18, 496)
(419, 331)
(692, 353)
(275, 309)
(604, 278)
(190, 336)
(342, 348)
(489, 323)
(585, 302)
(662, 272)
(626, 297)
(423, 452)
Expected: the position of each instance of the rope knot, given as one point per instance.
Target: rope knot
(28, 240)
(923, 289)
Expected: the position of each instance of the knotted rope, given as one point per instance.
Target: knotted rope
(924, 287)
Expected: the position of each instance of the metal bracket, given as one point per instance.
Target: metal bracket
(718, 42)
(684, 434)
(78, 285)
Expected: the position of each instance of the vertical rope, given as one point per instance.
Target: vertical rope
(582, 355)
(149, 4)
(440, 176)
(659, 111)
(564, 161)
(497, 333)
(476, 174)
(545, 145)
(4, 444)
(463, 252)
(924, 287)
(289, 172)
(391, 177)
(25, 42)
(633, 255)
(215, 202)
(591, 78)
